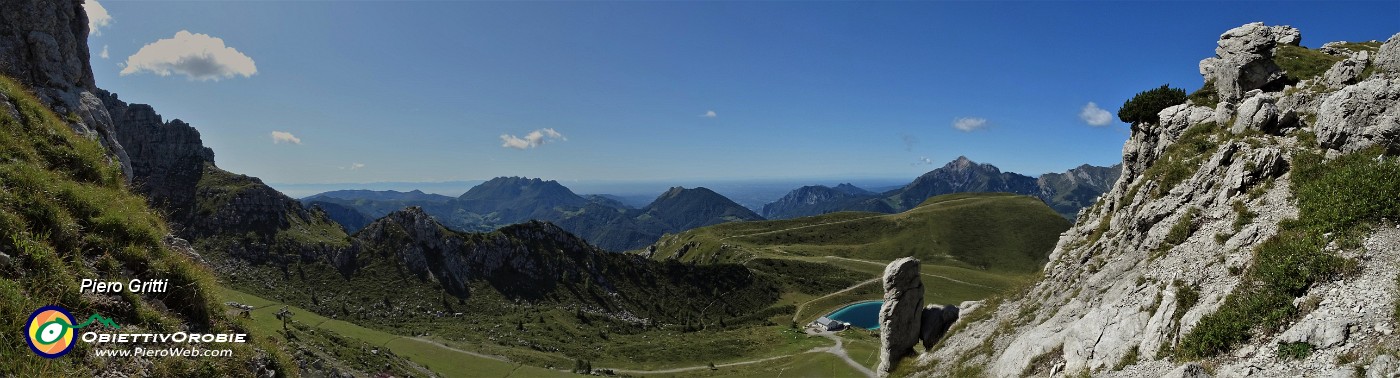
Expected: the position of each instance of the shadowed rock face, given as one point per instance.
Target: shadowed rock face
(934, 323)
(900, 314)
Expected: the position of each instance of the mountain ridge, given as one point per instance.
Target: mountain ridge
(1066, 192)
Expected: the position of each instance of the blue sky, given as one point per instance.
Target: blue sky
(439, 91)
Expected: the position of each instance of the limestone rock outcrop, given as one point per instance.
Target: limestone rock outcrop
(43, 44)
(1346, 72)
(1244, 59)
(1162, 250)
(900, 321)
(167, 158)
(1360, 116)
(1387, 59)
(1256, 113)
(934, 323)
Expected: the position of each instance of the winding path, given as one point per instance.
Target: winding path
(798, 311)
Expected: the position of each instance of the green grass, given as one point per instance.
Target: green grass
(1343, 196)
(1129, 359)
(1301, 63)
(1180, 231)
(1243, 216)
(1206, 96)
(66, 214)
(313, 330)
(1294, 351)
(989, 231)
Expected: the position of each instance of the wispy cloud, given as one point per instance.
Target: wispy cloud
(532, 139)
(98, 17)
(103, 54)
(909, 141)
(923, 160)
(197, 56)
(969, 124)
(709, 114)
(1094, 116)
(279, 137)
(355, 166)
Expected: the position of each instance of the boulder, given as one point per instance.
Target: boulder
(1384, 366)
(935, 321)
(899, 315)
(1244, 59)
(1361, 115)
(1322, 334)
(1286, 35)
(1256, 113)
(1345, 72)
(1388, 57)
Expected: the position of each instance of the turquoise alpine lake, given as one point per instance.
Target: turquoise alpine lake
(864, 314)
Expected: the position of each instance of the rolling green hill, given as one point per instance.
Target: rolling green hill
(986, 231)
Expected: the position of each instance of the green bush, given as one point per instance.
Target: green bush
(1294, 351)
(1206, 96)
(1144, 106)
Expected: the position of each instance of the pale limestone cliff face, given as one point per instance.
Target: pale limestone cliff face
(1120, 288)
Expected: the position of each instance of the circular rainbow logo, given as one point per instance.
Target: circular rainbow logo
(50, 332)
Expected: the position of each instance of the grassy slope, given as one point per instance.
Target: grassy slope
(65, 214)
(972, 245)
(988, 231)
(438, 358)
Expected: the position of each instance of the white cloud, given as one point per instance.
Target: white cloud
(98, 17)
(354, 166)
(1094, 116)
(284, 137)
(532, 139)
(197, 56)
(709, 114)
(923, 160)
(969, 124)
(103, 54)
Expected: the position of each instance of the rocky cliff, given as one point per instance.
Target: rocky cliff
(43, 44)
(1253, 236)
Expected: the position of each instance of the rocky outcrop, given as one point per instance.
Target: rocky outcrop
(43, 44)
(1243, 59)
(934, 323)
(1360, 116)
(167, 158)
(1388, 57)
(900, 322)
(1346, 72)
(1256, 113)
(1174, 237)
